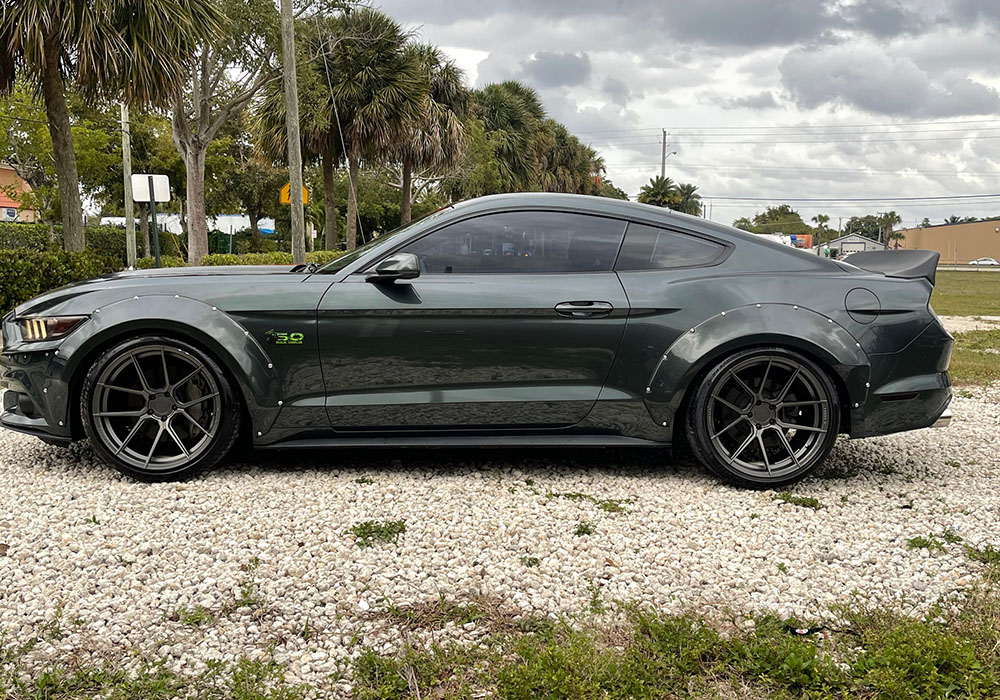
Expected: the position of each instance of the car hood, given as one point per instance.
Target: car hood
(118, 284)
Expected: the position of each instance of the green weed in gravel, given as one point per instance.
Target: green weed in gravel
(584, 528)
(803, 501)
(371, 531)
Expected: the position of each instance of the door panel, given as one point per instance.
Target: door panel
(468, 351)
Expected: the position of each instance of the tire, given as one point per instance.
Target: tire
(764, 418)
(159, 409)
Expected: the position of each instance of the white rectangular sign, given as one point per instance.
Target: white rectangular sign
(140, 188)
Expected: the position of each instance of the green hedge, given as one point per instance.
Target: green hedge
(320, 257)
(27, 273)
(165, 261)
(105, 240)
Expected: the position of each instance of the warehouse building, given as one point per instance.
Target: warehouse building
(851, 243)
(957, 243)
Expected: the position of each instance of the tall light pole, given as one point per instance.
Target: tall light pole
(127, 175)
(292, 128)
(663, 153)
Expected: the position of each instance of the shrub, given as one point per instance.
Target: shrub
(30, 236)
(320, 257)
(165, 261)
(27, 273)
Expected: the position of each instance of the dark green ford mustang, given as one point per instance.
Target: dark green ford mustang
(528, 319)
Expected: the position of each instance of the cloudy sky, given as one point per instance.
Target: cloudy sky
(780, 99)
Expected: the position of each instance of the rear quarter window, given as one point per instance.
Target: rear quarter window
(653, 248)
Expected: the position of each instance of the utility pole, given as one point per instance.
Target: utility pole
(663, 154)
(127, 174)
(292, 127)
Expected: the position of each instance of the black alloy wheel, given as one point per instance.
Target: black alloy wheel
(158, 408)
(764, 417)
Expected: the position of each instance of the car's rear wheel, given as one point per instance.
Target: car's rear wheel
(158, 408)
(764, 417)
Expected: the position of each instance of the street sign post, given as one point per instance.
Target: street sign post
(151, 188)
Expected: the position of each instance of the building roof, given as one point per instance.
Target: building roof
(851, 235)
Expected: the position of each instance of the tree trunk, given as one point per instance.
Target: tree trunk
(144, 228)
(194, 165)
(407, 191)
(62, 148)
(352, 202)
(329, 202)
(256, 239)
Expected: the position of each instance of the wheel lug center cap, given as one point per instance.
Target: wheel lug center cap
(762, 414)
(161, 405)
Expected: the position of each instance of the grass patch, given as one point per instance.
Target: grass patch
(194, 617)
(959, 293)
(930, 543)
(802, 501)
(608, 505)
(987, 554)
(583, 528)
(371, 531)
(653, 655)
(364, 480)
(530, 562)
(975, 358)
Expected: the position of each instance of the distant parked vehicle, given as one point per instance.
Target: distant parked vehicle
(984, 261)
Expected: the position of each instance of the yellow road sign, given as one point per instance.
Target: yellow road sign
(286, 194)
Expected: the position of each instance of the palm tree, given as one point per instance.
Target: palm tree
(886, 223)
(688, 201)
(513, 117)
(660, 192)
(376, 89)
(821, 221)
(134, 50)
(436, 138)
(570, 166)
(953, 219)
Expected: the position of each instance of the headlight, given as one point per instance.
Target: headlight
(47, 328)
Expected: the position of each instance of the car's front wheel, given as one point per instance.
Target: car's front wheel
(158, 408)
(764, 417)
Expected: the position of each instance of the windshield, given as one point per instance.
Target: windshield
(345, 260)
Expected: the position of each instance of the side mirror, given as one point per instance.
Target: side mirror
(401, 266)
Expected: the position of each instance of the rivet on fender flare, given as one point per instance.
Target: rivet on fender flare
(648, 390)
(867, 385)
(723, 313)
(259, 433)
(857, 345)
(270, 366)
(97, 311)
(829, 320)
(177, 296)
(664, 424)
(281, 403)
(856, 405)
(692, 330)
(795, 308)
(758, 306)
(214, 309)
(45, 390)
(60, 422)
(246, 332)
(136, 298)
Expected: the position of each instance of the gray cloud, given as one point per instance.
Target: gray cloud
(548, 69)
(759, 100)
(616, 91)
(882, 18)
(873, 81)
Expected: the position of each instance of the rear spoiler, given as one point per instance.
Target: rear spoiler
(907, 264)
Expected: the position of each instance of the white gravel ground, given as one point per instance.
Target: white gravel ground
(120, 558)
(964, 324)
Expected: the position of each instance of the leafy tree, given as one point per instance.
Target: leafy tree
(570, 165)
(432, 143)
(225, 73)
(887, 222)
(135, 50)
(377, 89)
(478, 173)
(926, 223)
(780, 219)
(608, 189)
(688, 200)
(868, 226)
(953, 219)
(659, 191)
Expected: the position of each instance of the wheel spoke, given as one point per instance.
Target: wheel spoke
(166, 373)
(739, 419)
(156, 443)
(806, 428)
(120, 414)
(198, 425)
(743, 385)
(123, 389)
(746, 444)
(763, 381)
(142, 377)
(817, 402)
(726, 403)
(187, 378)
(763, 451)
(784, 391)
(131, 434)
(788, 446)
(172, 434)
(192, 402)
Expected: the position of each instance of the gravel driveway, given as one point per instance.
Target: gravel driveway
(264, 555)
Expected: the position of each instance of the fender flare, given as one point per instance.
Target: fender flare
(752, 325)
(213, 329)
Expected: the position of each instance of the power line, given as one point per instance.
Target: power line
(853, 199)
(744, 127)
(860, 170)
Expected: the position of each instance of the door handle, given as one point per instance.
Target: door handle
(584, 309)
